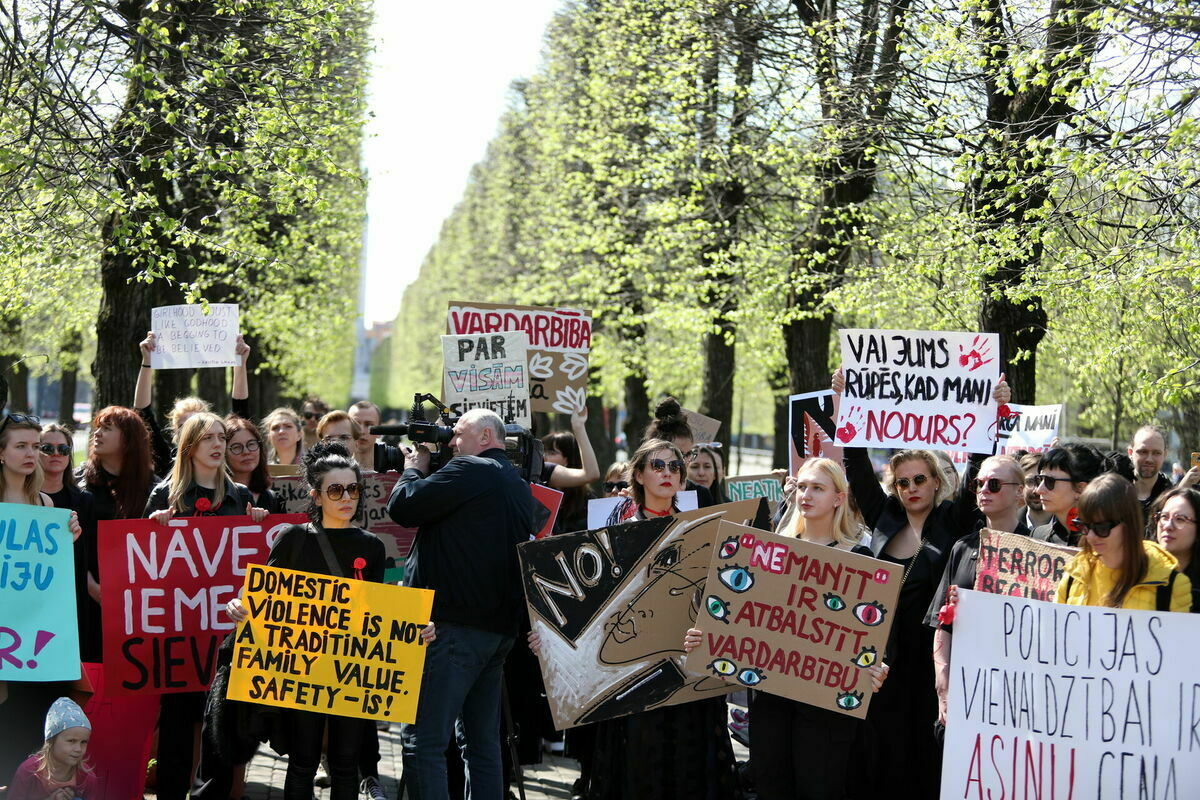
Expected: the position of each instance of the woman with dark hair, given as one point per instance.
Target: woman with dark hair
(1063, 474)
(336, 490)
(57, 444)
(670, 424)
(1116, 567)
(570, 467)
(1175, 514)
(246, 456)
(655, 476)
(119, 469)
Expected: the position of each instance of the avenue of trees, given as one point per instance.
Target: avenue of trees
(724, 183)
(166, 151)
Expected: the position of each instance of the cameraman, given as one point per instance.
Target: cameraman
(470, 516)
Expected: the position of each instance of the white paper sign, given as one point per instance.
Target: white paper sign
(1054, 701)
(1030, 428)
(189, 338)
(599, 510)
(488, 370)
(929, 389)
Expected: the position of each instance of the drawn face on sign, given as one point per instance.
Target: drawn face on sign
(676, 571)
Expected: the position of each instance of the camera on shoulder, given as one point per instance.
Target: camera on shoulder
(521, 447)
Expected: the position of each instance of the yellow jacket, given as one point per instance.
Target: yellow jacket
(1092, 581)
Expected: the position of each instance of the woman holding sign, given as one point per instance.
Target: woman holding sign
(336, 492)
(200, 483)
(24, 704)
(913, 524)
(656, 475)
(1116, 567)
(801, 751)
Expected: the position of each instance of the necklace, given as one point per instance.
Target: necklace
(652, 513)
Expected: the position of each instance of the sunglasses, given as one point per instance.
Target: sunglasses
(1049, 481)
(249, 447)
(1101, 529)
(992, 484)
(658, 465)
(334, 491)
(17, 419)
(55, 449)
(615, 486)
(310, 415)
(917, 480)
(1179, 519)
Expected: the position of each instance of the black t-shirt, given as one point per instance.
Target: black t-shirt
(297, 548)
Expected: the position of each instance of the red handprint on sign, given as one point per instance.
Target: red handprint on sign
(848, 431)
(977, 356)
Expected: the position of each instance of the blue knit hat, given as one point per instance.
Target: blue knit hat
(65, 713)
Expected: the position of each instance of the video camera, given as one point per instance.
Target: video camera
(521, 447)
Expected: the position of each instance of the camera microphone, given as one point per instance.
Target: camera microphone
(388, 430)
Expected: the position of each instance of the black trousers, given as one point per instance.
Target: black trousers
(345, 740)
(800, 752)
(178, 715)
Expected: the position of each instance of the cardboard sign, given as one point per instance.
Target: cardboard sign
(39, 630)
(559, 342)
(1030, 428)
(163, 590)
(748, 487)
(612, 605)
(283, 470)
(334, 645)
(929, 389)
(120, 744)
(489, 371)
(187, 337)
(549, 502)
(704, 429)
(1050, 701)
(812, 425)
(601, 508)
(795, 619)
(1019, 566)
(377, 488)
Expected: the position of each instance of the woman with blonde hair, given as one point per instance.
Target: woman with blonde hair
(200, 485)
(1117, 567)
(800, 750)
(913, 524)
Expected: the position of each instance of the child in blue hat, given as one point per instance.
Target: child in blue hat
(57, 771)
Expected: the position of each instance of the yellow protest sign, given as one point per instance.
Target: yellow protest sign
(332, 645)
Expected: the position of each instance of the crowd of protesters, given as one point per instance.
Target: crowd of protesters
(1134, 526)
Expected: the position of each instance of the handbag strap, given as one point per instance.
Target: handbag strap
(331, 561)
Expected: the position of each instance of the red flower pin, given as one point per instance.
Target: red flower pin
(203, 505)
(359, 564)
(1073, 520)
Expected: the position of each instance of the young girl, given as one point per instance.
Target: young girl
(1116, 567)
(801, 751)
(335, 482)
(200, 484)
(57, 771)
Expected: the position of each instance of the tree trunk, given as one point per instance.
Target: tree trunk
(716, 399)
(18, 399)
(637, 410)
(597, 433)
(211, 386)
(122, 323)
(780, 451)
(69, 376)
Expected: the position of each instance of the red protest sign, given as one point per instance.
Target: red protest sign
(163, 590)
(549, 501)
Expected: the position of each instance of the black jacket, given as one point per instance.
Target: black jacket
(1055, 532)
(470, 515)
(884, 514)
(237, 497)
